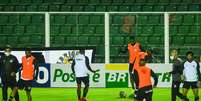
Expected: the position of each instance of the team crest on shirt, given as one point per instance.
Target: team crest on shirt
(11, 61)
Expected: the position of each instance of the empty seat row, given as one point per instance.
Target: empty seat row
(180, 40)
(105, 7)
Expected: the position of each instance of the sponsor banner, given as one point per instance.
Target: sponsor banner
(62, 76)
(117, 75)
(54, 56)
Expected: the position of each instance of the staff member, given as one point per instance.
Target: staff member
(192, 77)
(80, 67)
(9, 66)
(142, 76)
(29, 73)
(176, 76)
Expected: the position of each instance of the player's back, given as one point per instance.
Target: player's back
(80, 66)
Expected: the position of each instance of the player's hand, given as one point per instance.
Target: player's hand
(13, 74)
(198, 83)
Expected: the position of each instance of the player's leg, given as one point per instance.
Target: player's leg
(173, 91)
(149, 96)
(86, 88)
(28, 87)
(16, 94)
(78, 80)
(186, 88)
(195, 91)
(4, 91)
(20, 85)
(131, 75)
(13, 84)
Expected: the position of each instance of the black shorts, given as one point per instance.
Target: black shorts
(192, 85)
(25, 84)
(9, 82)
(144, 94)
(85, 80)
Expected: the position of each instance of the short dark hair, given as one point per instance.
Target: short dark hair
(8, 47)
(82, 51)
(28, 49)
(189, 52)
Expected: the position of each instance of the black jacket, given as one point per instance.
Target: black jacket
(8, 64)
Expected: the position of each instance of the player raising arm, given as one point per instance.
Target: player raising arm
(80, 67)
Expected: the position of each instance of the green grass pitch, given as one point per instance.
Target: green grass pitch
(95, 94)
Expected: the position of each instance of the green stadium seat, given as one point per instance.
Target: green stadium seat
(40, 29)
(55, 30)
(65, 8)
(173, 30)
(30, 29)
(25, 19)
(89, 30)
(138, 30)
(24, 40)
(83, 19)
(96, 19)
(54, 8)
(117, 19)
(106, 1)
(177, 40)
(13, 19)
(25, 1)
(154, 19)
(112, 8)
(59, 2)
(71, 40)
(159, 8)
(66, 30)
(140, 1)
(77, 8)
(89, 8)
(117, 40)
(182, 8)
(175, 1)
(100, 30)
(101, 50)
(142, 39)
(194, 29)
(147, 8)
(189, 19)
(9, 8)
(80, 30)
(83, 1)
(136, 8)
(155, 40)
(194, 7)
(117, 2)
(148, 30)
(142, 19)
(72, 1)
(114, 51)
(37, 1)
(59, 19)
(43, 7)
(59, 40)
(3, 40)
(196, 1)
(3, 19)
(36, 39)
(101, 8)
(129, 1)
(94, 2)
(4, 1)
(171, 7)
(38, 19)
(71, 19)
(124, 8)
(183, 29)
(12, 40)
(159, 30)
(163, 1)
(177, 19)
(152, 1)
(20, 8)
(187, 1)
(114, 30)
(191, 40)
(32, 8)
(8, 29)
(83, 40)
(19, 29)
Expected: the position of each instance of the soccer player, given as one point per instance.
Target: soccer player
(191, 75)
(80, 67)
(142, 75)
(132, 47)
(176, 75)
(9, 66)
(29, 73)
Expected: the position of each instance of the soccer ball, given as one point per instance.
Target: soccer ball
(122, 94)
